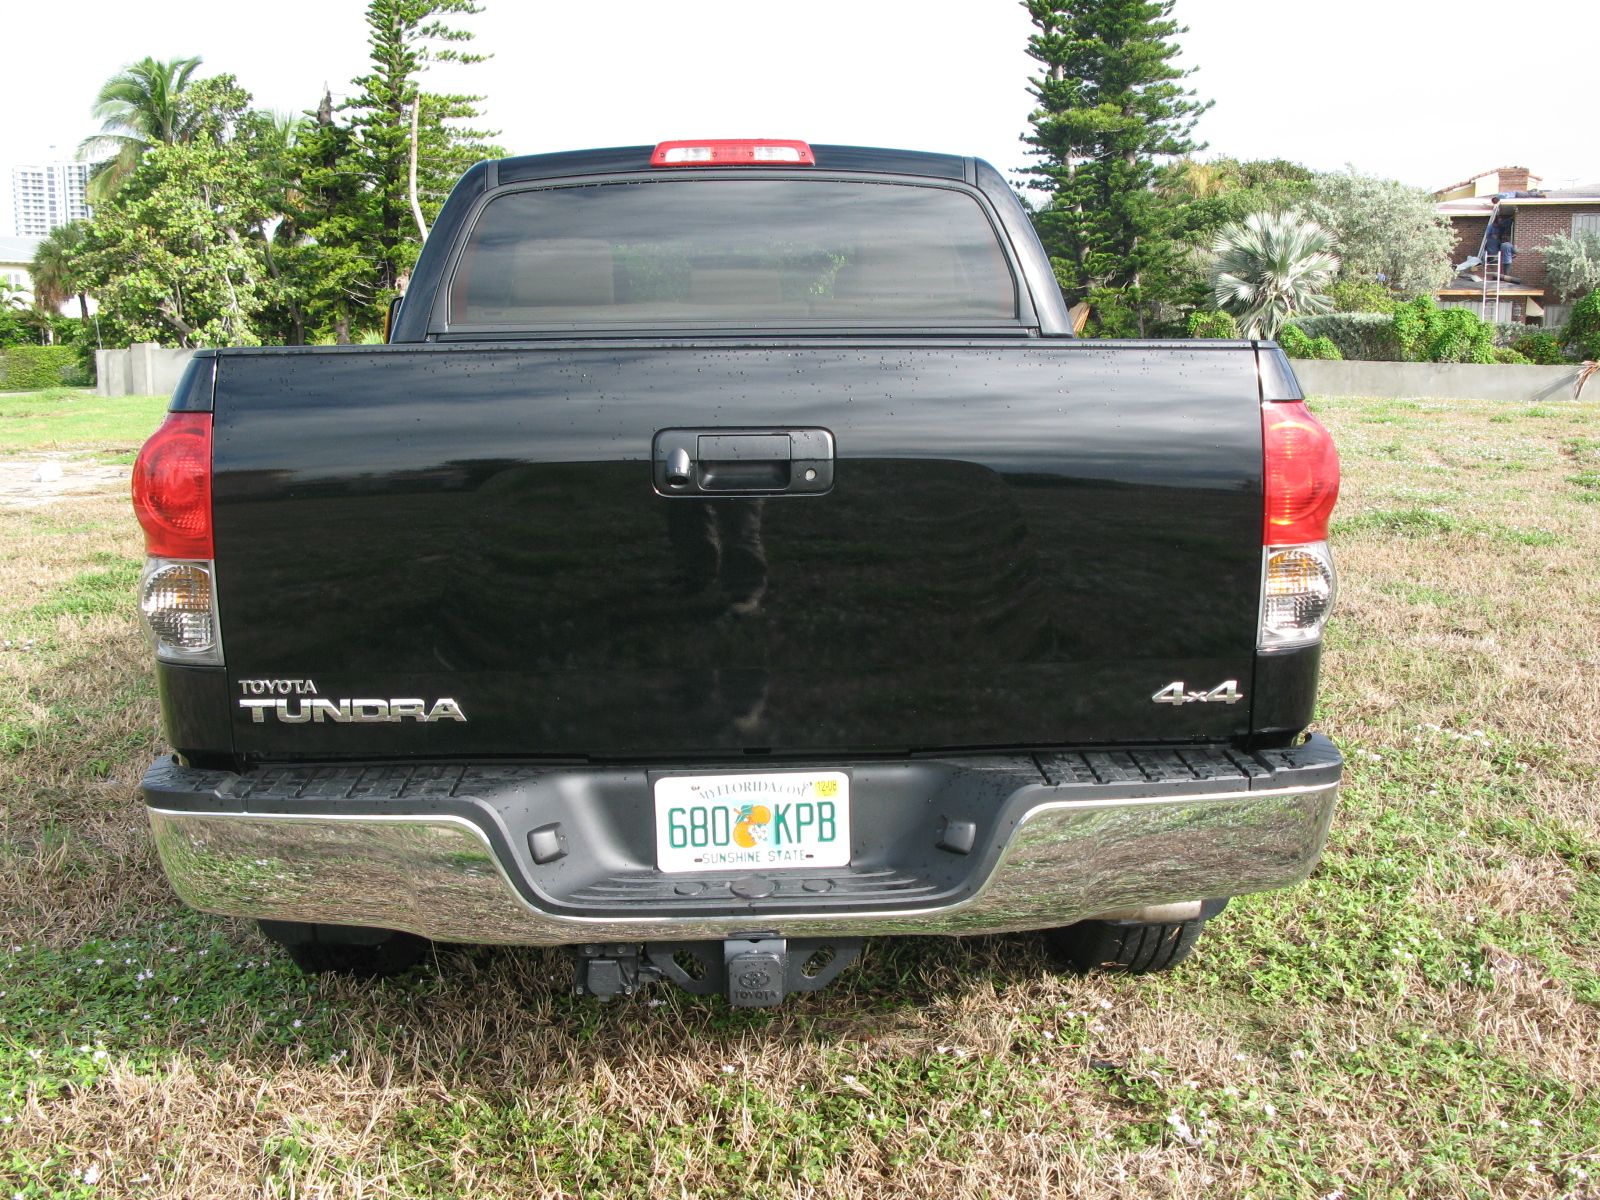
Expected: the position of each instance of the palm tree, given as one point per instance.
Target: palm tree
(1271, 266)
(138, 107)
(54, 271)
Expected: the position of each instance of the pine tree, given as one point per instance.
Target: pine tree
(406, 36)
(1110, 104)
(333, 261)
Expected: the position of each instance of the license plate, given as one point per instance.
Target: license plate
(769, 821)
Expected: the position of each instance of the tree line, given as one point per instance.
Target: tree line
(1144, 235)
(215, 222)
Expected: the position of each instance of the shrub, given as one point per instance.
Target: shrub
(1410, 327)
(1504, 354)
(1361, 296)
(1296, 344)
(1583, 327)
(1363, 337)
(29, 368)
(1458, 335)
(1212, 324)
(1426, 333)
(1542, 348)
(1294, 341)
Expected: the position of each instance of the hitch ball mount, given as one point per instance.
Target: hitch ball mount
(753, 972)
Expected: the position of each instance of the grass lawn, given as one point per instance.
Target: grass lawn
(76, 419)
(1421, 1019)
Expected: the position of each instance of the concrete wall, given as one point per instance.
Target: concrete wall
(1440, 381)
(143, 369)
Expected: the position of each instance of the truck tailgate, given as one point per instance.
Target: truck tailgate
(1025, 540)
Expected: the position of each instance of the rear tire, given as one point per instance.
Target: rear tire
(346, 949)
(1131, 947)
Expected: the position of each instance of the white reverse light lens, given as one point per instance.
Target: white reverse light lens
(180, 610)
(685, 154)
(1298, 586)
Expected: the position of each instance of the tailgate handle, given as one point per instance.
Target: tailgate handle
(743, 462)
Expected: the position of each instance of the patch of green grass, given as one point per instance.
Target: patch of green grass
(1418, 521)
(1417, 593)
(62, 418)
(1582, 449)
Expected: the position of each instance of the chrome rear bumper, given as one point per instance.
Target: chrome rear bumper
(1063, 852)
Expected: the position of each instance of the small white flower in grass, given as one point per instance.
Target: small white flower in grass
(297, 1022)
(849, 1078)
(1048, 1034)
(986, 1113)
(1297, 1053)
(727, 1068)
(92, 1175)
(1270, 1109)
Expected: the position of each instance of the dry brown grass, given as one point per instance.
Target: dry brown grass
(1419, 1020)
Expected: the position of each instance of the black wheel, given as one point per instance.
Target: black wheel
(1136, 947)
(346, 949)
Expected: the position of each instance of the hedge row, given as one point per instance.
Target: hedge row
(29, 368)
(1366, 337)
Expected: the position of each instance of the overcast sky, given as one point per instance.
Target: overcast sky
(1384, 84)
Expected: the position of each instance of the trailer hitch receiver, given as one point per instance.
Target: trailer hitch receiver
(753, 972)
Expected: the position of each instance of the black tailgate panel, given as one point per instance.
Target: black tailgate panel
(1023, 543)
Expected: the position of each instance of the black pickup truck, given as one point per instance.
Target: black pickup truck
(732, 555)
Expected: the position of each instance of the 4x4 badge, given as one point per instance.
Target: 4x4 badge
(1226, 692)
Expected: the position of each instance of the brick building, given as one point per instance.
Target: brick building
(1534, 218)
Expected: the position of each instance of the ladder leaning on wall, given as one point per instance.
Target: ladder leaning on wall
(1491, 271)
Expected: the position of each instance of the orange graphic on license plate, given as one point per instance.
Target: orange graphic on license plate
(751, 829)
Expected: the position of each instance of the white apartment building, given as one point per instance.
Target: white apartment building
(46, 196)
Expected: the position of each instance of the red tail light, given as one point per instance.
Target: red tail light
(733, 152)
(172, 487)
(1302, 474)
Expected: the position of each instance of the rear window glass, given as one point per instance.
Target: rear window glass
(733, 252)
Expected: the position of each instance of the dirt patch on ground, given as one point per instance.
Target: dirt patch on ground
(47, 478)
